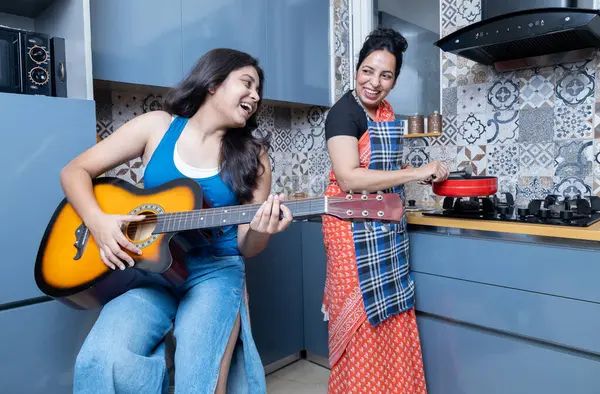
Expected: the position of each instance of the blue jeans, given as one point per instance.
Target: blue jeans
(125, 350)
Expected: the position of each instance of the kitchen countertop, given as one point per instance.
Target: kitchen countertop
(537, 233)
(591, 233)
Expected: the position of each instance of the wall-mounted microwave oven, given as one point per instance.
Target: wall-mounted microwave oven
(32, 63)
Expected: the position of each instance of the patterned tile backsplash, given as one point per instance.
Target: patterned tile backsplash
(538, 130)
(299, 160)
(298, 154)
(341, 47)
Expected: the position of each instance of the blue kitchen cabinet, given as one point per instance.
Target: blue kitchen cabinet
(285, 286)
(298, 55)
(157, 43)
(39, 346)
(463, 359)
(40, 135)
(236, 24)
(489, 307)
(274, 282)
(137, 41)
(314, 268)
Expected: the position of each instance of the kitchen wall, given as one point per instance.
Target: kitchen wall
(299, 159)
(297, 139)
(537, 130)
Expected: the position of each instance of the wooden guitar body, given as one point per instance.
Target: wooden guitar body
(68, 265)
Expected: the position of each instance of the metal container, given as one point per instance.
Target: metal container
(434, 123)
(416, 124)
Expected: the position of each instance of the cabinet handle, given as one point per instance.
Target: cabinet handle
(62, 71)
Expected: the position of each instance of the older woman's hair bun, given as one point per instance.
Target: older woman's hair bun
(391, 34)
(384, 39)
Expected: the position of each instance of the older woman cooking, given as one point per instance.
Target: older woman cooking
(369, 293)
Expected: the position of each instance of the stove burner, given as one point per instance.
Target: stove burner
(523, 212)
(553, 209)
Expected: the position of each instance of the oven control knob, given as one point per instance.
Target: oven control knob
(38, 75)
(522, 212)
(38, 54)
(566, 215)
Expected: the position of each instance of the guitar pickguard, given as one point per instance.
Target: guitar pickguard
(82, 234)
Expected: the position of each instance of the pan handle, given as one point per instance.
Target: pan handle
(466, 173)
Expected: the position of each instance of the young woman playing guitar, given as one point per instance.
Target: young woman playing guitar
(205, 133)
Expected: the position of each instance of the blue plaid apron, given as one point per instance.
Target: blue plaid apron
(382, 250)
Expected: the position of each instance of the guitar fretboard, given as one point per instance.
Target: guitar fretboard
(227, 216)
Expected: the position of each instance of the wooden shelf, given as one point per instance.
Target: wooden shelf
(421, 135)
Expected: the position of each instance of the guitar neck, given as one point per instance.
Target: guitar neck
(226, 216)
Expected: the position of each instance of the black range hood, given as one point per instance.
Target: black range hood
(516, 34)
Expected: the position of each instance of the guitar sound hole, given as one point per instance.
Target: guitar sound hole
(140, 231)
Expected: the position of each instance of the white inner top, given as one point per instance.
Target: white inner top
(188, 170)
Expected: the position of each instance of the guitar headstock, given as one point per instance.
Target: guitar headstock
(381, 207)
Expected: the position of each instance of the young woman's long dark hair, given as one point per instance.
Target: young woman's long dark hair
(240, 149)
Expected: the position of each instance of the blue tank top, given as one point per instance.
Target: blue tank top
(216, 192)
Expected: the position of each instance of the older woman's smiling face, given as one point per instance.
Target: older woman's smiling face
(375, 77)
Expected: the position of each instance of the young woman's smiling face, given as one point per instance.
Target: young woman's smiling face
(375, 77)
(238, 96)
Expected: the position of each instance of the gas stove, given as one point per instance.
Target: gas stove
(552, 210)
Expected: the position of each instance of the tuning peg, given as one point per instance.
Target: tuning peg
(368, 226)
(385, 227)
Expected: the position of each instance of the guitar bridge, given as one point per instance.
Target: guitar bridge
(82, 234)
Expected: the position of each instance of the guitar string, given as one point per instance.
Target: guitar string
(239, 208)
(207, 212)
(211, 213)
(214, 212)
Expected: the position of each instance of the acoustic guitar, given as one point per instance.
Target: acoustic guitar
(68, 267)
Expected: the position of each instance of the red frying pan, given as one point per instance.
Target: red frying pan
(462, 184)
